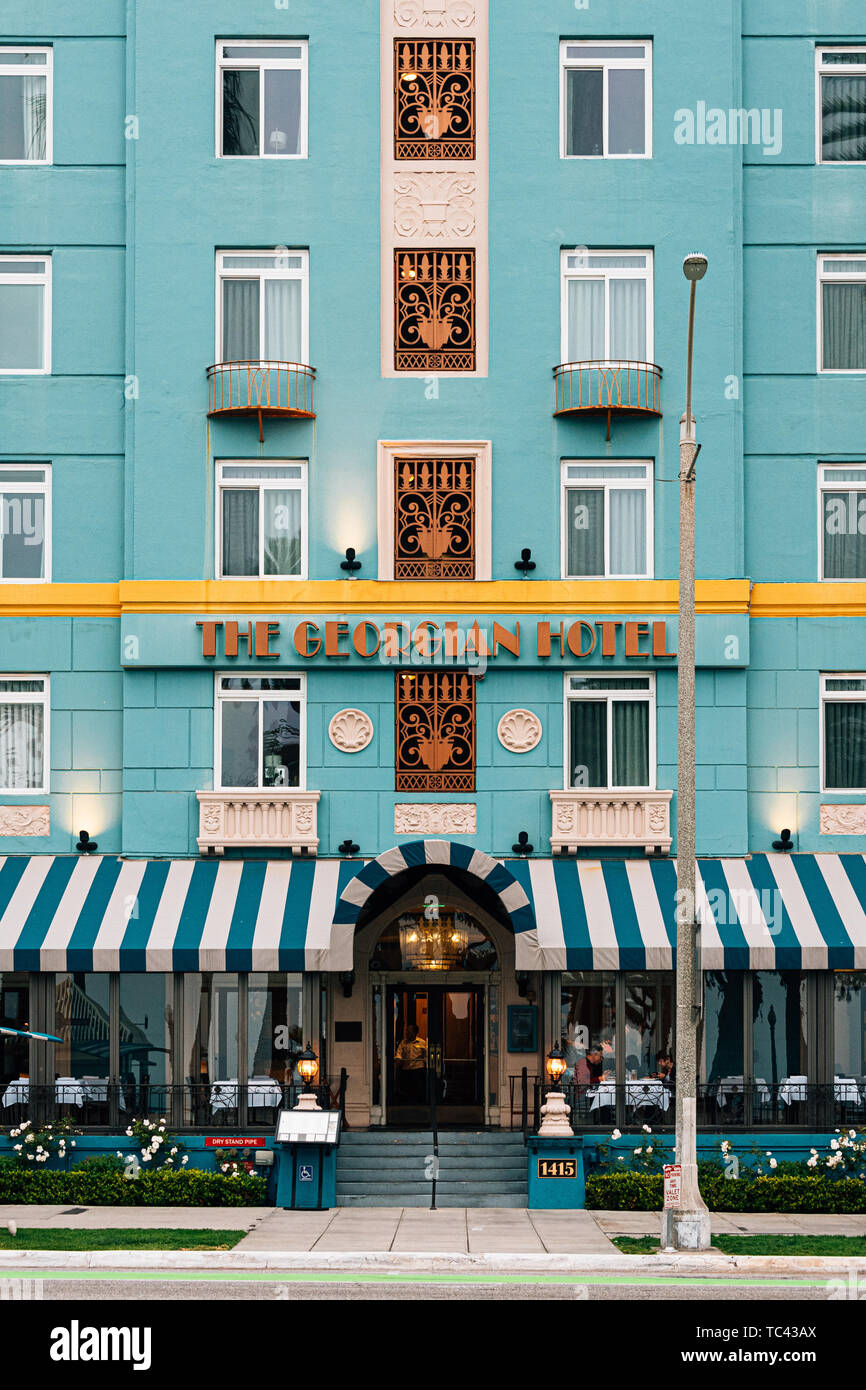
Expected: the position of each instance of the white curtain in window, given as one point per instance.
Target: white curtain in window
(585, 320)
(241, 321)
(845, 327)
(283, 320)
(630, 743)
(627, 531)
(240, 531)
(21, 746)
(282, 531)
(33, 114)
(628, 320)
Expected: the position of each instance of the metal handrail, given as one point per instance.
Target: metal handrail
(266, 386)
(624, 384)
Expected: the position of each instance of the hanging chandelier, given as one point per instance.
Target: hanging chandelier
(434, 943)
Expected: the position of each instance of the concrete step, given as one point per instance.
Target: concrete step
(443, 1185)
(419, 1136)
(411, 1199)
(451, 1166)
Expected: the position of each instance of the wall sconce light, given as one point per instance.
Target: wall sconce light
(523, 846)
(347, 979)
(85, 844)
(348, 847)
(522, 980)
(350, 564)
(526, 563)
(786, 844)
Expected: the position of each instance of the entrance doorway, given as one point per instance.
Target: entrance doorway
(435, 1039)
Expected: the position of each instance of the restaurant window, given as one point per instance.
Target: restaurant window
(779, 1026)
(649, 1026)
(842, 313)
(607, 520)
(435, 731)
(849, 1023)
(606, 99)
(434, 99)
(261, 99)
(260, 732)
(274, 1026)
(588, 1026)
(262, 520)
(607, 306)
(146, 1037)
(723, 1037)
(24, 733)
(262, 298)
(25, 521)
(434, 525)
(210, 1036)
(82, 1020)
(841, 97)
(842, 491)
(26, 82)
(434, 322)
(14, 1013)
(843, 714)
(25, 315)
(610, 731)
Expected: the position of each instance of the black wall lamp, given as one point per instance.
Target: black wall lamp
(85, 844)
(525, 564)
(523, 846)
(348, 847)
(521, 979)
(786, 844)
(350, 564)
(347, 979)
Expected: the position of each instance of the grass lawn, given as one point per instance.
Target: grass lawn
(756, 1245)
(64, 1238)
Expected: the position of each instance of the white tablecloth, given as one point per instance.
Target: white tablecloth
(224, 1094)
(733, 1086)
(637, 1094)
(68, 1090)
(795, 1088)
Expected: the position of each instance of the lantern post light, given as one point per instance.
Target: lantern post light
(555, 1111)
(308, 1065)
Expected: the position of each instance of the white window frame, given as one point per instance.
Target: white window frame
(611, 273)
(264, 273)
(826, 484)
(37, 489)
(607, 485)
(300, 695)
(850, 277)
(32, 697)
(262, 65)
(224, 484)
(610, 696)
(32, 278)
(567, 63)
(834, 70)
(835, 697)
(16, 70)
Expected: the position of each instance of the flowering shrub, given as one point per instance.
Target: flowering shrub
(649, 1156)
(35, 1143)
(164, 1187)
(158, 1146)
(847, 1156)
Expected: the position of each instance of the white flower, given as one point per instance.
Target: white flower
(30, 1138)
(174, 1150)
(31, 1157)
(158, 1139)
(852, 1134)
(617, 1134)
(129, 1134)
(145, 1157)
(637, 1151)
(834, 1143)
(773, 1163)
(72, 1143)
(813, 1151)
(39, 1148)
(119, 1154)
(810, 1162)
(185, 1159)
(622, 1158)
(726, 1144)
(13, 1133)
(646, 1129)
(18, 1147)
(649, 1148)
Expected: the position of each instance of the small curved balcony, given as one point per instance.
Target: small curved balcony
(282, 389)
(627, 387)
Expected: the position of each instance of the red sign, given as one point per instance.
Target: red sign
(673, 1183)
(220, 1141)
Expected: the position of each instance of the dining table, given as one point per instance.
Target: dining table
(262, 1092)
(649, 1091)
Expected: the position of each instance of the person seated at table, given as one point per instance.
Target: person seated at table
(594, 1063)
(664, 1067)
(581, 1072)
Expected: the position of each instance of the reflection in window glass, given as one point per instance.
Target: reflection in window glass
(779, 1022)
(649, 1026)
(723, 1025)
(14, 1013)
(849, 1023)
(210, 1028)
(274, 1024)
(81, 1019)
(588, 1026)
(146, 1038)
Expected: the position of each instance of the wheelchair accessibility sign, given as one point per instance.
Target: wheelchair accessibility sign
(305, 1172)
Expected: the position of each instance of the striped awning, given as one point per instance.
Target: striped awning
(783, 912)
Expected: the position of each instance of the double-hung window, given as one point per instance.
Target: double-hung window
(25, 105)
(610, 731)
(25, 315)
(262, 519)
(841, 102)
(24, 734)
(607, 519)
(843, 718)
(25, 520)
(606, 99)
(842, 313)
(263, 306)
(607, 306)
(261, 99)
(842, 510)
(260, 732)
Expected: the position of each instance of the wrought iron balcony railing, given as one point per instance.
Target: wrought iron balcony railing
(608, 386)
(261, 388)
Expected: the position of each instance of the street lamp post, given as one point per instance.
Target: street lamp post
(687, 1225)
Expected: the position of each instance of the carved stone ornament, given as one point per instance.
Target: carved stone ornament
(519, 731)
(429, 818)
(434, 14)
(843, 820)
(350, 730)
(24, 820)
(434, 204)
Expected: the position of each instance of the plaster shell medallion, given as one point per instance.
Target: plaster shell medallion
(519, 731)
(350, 730)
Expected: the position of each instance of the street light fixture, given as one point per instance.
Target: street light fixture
(308, 1065)
(555, 1111)
(687, 1225)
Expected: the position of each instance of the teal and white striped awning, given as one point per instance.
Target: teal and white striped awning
(782, 912)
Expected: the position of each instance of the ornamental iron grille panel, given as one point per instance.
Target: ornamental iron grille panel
(434, 326)
(434, 99)
(434, 518)
(435, 728)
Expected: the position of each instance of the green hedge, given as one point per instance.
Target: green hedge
(789, 1193)
(192, 1188)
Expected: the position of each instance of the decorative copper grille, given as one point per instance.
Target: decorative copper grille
(434, 325)
(434, 513)
(434, 99)
(435, 731)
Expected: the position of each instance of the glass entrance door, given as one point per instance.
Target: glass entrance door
(435, 1040)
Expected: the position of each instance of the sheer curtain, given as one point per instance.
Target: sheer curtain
(844, 546)
(588, 743)
(282, 531)
(21, 746)
(845, 744)
(585, 320)
(241, 321)
(584, 117)
(283, 320)
(628, 320)
(627, 531)
(843, 118)
(630, 743)
(33, 113)
(844, 327)
(240, 531)
(585, 531)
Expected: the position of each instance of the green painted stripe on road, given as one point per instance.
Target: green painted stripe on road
(347, 1277)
